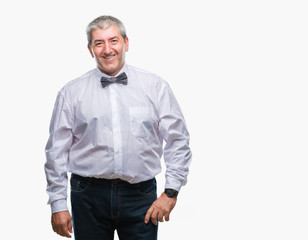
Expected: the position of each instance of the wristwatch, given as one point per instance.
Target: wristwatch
(171, 193)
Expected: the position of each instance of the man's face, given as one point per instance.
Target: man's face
(108, 47)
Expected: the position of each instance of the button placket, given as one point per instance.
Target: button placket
(116, 128)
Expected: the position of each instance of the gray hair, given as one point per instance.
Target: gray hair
(104, 22)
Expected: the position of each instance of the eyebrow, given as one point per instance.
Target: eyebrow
(115, 37)
(99, 40)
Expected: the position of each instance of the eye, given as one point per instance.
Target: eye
(98, 44)
(114, 41)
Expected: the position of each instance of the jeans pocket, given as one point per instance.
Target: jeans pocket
(147, 188)
(78, 185)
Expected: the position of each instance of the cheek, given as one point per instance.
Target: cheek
(97, 51)
(123, 50)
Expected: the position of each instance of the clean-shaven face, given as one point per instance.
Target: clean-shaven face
(108, 47)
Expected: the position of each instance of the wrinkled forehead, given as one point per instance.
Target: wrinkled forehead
(110, 32)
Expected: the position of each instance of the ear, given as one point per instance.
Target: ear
(90, 50)
(126, 44)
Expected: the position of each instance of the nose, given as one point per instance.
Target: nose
(107, 49)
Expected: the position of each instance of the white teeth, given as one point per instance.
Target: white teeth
(108, 57)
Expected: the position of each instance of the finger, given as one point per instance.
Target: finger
(70, 226)
(62, 230)
(65, 233)
(154, 217)
(148, 215)
(167, 217)
(53, 228)
(160, 217)
(62, 223)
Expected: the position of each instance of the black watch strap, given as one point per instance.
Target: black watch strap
(171, 192)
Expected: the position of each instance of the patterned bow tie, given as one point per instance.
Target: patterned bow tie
(122, 79)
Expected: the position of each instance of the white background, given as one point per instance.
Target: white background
(239, 72)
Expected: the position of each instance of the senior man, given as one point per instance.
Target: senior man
(107, 129)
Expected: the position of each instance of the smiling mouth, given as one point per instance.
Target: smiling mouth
(108, 57)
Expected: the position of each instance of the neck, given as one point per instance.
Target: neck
(111, 74)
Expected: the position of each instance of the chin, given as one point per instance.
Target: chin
(110, 69)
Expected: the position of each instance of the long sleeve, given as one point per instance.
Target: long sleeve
(172, 127)
(115, 132)
(57, 150)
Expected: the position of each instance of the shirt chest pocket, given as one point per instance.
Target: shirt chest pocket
(141, 121)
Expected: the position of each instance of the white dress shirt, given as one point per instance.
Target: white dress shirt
(115, 132)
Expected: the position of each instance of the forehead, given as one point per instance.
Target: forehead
(106, 33)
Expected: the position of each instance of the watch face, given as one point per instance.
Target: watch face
(170, 192)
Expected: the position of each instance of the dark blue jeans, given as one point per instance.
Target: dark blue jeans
(101, 206)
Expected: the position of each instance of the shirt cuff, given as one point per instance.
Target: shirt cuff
(59, 206)
(173, 184)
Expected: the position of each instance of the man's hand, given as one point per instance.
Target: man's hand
(62, 223)
(160, 209)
